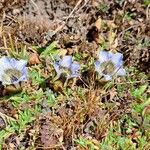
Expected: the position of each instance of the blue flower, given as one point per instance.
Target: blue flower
(12, 71)
(67, 66)
(109, 65)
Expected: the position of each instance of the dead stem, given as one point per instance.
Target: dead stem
(70, 15)
(6, 118)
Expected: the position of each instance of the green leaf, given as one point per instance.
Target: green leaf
(50, 50)
(146, 2)
(137, 93)
(36, 77)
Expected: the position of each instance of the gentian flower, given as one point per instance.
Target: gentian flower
(67, 66)
(12, 71)
(109, 65)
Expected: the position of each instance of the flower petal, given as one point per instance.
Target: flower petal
(6, 80)
(75, 67)
(109, 57)
(107, 77)
(13, 64)
(73, 76)
(104, 56)
(117, 59)
(57, 68)
(24, 76)
(66, 61)
(74, 70)
(121, 72)
(20, 64)
(97, 66)
(5, 63)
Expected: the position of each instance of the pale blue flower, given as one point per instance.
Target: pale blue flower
(12, 71)
(66, 65)
(109, 64)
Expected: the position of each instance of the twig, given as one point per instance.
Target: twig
(86, 1)
(147, 12)
(1, 26)
(60, 27)
(120, 35)
(78, 3)
(35, 4)
(83, 82)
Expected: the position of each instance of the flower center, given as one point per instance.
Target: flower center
(66, 71)
(107, 67)
(12, 75)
